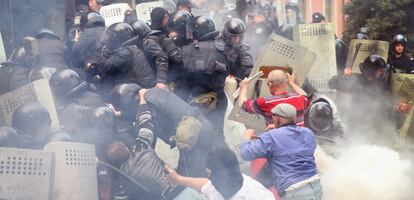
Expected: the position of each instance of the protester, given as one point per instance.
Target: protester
(290, 151)
(226, 180)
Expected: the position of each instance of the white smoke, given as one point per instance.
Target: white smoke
(366, 172)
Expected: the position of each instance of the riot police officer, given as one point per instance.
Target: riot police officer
(231, 43)
(119, 62)
(341, 51)
(206, 70)
(160, 49)
(86, 46)
(141, 29)
(52, 51)
(32, 122)
(318, 18)
(397, 58)
(178, 28)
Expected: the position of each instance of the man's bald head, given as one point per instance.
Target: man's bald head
(277, 78)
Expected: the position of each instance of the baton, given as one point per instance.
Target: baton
(358, 46)
(257, 75)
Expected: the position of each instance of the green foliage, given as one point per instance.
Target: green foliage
(384, 18)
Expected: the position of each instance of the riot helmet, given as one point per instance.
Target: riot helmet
(291, 6)
(361, 36)
(125, 98)
(320, 116)
(184, 5)
(265, 9)
(116, 34)
(9, 137)
(233, 32)
(38, 73)
(46, 33)
(317, 17)
(66, 83)
(93, 19)
(180, 23)
(32, 120)
(201, 26)
(363, 33)
(140, 28)
(373, 68)
(252, 7)
(399, 39)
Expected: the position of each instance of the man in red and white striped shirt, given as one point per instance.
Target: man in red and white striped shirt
(278, 81)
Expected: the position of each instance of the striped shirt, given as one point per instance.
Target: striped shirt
(263, 106)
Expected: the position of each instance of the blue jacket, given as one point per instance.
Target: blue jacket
(289, 150)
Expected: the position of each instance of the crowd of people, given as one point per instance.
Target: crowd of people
(122, 87)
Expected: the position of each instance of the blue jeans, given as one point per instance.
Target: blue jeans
(311, 191)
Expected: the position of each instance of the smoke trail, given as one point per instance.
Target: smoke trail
(366, 172)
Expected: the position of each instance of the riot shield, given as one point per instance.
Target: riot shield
(3, 57)
(361, 49)
(282, 52)
(75, 171)
(320, 39)
(25, 174)
(397, 80)
(253, 121)
(280, 12)
(144, 10)
(36, 91)
(114, 13)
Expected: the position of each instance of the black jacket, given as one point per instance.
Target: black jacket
(52, 53)
(86, 46)
(125, 65)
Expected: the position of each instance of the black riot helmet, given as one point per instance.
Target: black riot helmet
(66, 83)
(103, 117)
(286, 30)
(180, 23)
(201, 26)
(140, 28)
(116, 34)
(399, 39)
(9, 137)
(291, 6)
(252, 7)
(46, 33)
(93, 19)
(265, 9)
(317, 17)
(38, 73)
(373, 67)
(125, 98)
(320, 116)
(32, 120)
(184, 5)
(234, 31)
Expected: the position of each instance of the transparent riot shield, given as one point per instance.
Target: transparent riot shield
(280, 12)
(75, 171)
(3, 57)
(114, 13)
(25, 174)
(320, 39)
(360, 49)
(144, 10)
(281, 52)
(36, 91)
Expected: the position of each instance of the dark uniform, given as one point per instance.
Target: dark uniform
(403, 64)
(52, 51)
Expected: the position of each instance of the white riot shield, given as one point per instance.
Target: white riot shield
(36, 91)
(320, 39)
(144, 10)
(114, 13)
(75, 171)
(3, 57)
(25, 174)
(360, 49)
(280, 12)
(397, 80)
(282, 52)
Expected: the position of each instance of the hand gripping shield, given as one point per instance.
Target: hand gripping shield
(114, 13)
(25, 174)
(144, 10)
(361, 49)
(281, 52)
(75, 171)
(36, 91)
(320, 39)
